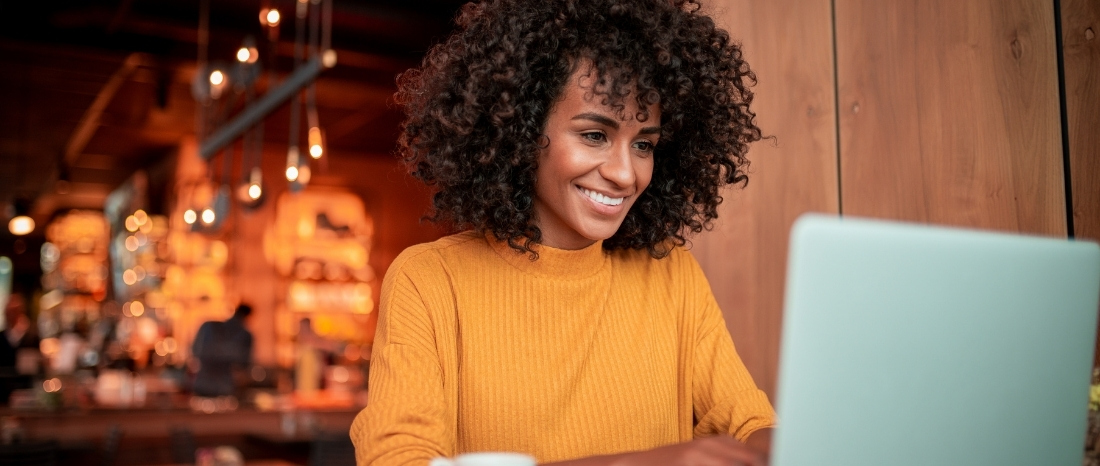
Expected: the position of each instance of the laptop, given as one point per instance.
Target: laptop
(905, 344)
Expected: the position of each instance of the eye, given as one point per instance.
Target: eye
(594, 136)
(644, 146)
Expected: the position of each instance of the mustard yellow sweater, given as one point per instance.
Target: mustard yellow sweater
(575, 354)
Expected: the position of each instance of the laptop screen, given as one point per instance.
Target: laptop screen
(907, 344)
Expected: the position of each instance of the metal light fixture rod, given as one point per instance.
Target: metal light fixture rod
(256, 112)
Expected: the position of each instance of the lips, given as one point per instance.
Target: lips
(601, 198)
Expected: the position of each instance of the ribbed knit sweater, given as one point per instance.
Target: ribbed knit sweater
(574, 354)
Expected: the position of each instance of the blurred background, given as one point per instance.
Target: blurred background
(154, 175)
(139, 237)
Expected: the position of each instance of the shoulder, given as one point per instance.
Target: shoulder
(239, 327)
(427, 254)
(430, 261)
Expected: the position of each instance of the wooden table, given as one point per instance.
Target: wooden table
(146, 434)
(75, 425)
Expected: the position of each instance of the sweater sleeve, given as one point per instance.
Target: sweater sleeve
(724, 396)
(405, 420)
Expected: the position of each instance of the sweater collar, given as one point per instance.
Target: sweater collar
(554, 262)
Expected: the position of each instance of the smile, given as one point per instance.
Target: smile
(600, 198)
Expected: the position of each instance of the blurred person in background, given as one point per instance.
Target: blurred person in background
(19, 352)
(314, 353)
(221, 349)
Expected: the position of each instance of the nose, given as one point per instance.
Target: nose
(619, 168)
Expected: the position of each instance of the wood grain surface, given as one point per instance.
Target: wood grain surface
(1081, 61)
(949, 113)
(788, 44)
(1081, 55)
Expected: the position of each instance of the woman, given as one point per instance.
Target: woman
(575, 142)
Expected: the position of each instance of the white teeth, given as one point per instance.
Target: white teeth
(601, 198)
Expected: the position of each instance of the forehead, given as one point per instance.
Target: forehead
(586, 88)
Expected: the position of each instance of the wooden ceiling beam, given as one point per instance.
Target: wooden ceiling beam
(88, 124)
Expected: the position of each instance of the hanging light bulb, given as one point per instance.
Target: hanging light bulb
(316, 143)
(21, 225)
(189, 216)
(270, 17)
(248, 52)
(292, 160)
(251, 191)
(255, 188)
(217, 83)
(328, 58)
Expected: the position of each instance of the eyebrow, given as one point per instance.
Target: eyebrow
(604, 120)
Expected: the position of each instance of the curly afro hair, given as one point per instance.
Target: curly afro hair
(479, 102)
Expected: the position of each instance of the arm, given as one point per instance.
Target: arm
(406, 419)
(761, 441)
(724, 395)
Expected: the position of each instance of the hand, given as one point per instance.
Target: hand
(710, 451)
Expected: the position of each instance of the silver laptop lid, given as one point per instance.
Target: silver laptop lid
(914, 345)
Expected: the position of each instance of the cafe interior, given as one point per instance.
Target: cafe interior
(165, 162)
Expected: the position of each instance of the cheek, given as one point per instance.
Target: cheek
(542, 171)
(561, 163)
(548, 174)
(643, 173)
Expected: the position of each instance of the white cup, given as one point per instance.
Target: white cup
(486, 459)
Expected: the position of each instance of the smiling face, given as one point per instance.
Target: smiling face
(596, 165)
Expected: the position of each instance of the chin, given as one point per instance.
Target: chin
(601, 234)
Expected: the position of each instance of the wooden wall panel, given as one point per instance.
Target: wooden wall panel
(1081, 59)
(949, 113)
(788, 44)
(1081, 54)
